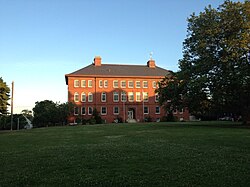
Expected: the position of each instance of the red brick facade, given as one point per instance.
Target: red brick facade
(115, 96)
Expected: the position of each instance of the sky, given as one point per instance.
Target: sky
(42, 40)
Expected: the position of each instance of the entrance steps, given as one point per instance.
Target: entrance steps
(131, 121)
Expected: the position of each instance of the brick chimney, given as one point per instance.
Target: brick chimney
(151, 63)
(97, 61)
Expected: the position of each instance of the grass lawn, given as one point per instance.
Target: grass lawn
(160, 154)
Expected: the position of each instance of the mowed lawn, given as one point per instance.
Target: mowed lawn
(156, 154)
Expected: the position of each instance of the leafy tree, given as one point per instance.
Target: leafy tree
(96, 116)
(216, 65)
(4, 96)
(47, 113)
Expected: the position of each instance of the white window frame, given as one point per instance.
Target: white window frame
(137, 86)
(144, 110)
(116, 94)
(114, 110)
(83, 83)
(124, 95)
(100, 83)
(105, 85)
(145, 96)
(129, 86)
(123, 86)
(90, 94)
(154, 84)
(159, 110)
(76, 111)
(143, 84)
(156, 97)
(89, 110)
(76, 83)
(84, 110)
(129, 95)
(76, 97)
(115, 82)
(104, 100)
(90, 83)
(181, 111)
(138, 94)
(104, 107)
(83, 100)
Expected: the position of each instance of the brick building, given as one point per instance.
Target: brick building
(117, 91)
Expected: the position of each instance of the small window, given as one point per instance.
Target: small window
(76, 111)
(90, 110)
(175, 111)
(84, 83)
(154, 84)
(103, 110)
(83, 97)
(100, 83)
(123, 84)
(104, 97)
(138, 96)
(145, 96)
(130, 96)
(90, 97)
(83, 110)
(157, 110)
(76, 83)
(76, 97)
(116, 97)
(145, 84)
(145, 110)
(115, 84)
(137, 84)
(105, 83)
(124, 96)
(116, 110)
(90, 84)
(157, 97)
(130, 84)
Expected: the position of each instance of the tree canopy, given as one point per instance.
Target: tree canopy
(48, 113)
(215, 68)
(4, 96)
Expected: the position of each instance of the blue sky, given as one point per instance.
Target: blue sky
(42, 40)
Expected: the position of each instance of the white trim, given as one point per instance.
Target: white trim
(106, 110)
(83, 93)
(143, 84)
(131, 94)
(117, 94)
(91, 109)
(144, 110)
(100, 83)
(85, 110)
(159, 110)
(83, 83)
(76, 83)
(105, 100)
(76, 114)
(105, 83)
(138, 94)
(145, 96)
(139, 84)
(132, 84)
(90, 83)
(90, 100)
(122, 85)
(123, 93)
(156, 95)
(76, 94)
(114, 82)
(114, 110)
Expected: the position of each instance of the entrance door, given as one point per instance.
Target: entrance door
(130, 114)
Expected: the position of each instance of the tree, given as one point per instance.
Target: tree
(215, 63)
(47, 113)
(4, 96)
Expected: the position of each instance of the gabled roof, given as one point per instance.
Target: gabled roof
(116, 70)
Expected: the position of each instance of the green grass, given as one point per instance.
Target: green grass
(161, 154)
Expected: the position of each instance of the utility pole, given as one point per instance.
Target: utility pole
(12, 92)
